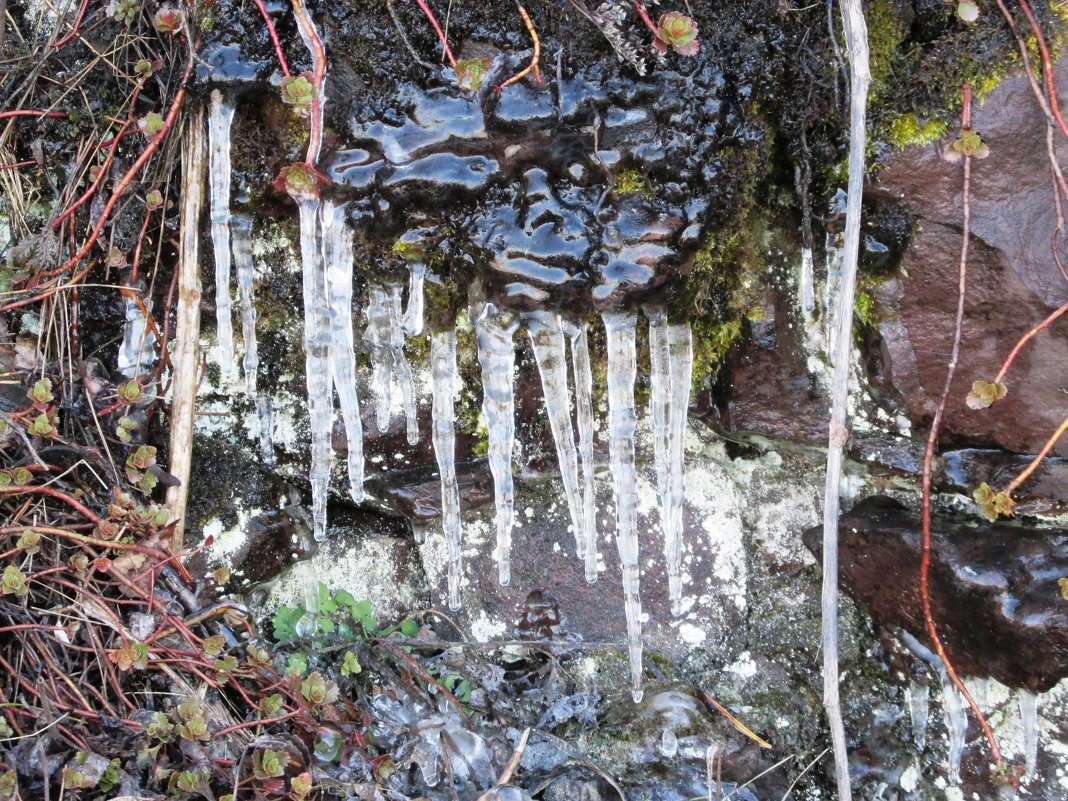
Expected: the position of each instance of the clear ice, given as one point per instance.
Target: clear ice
(1028, 703)
(494, 331)
(918, 696)
(137, 354)
(337, 263)
(413, 314)
(807, 282)
(384, 336)
(220, 119)
(670, 372)
(953, 710)
(680, 345)
(244, 266)
(622, 367)
(445, 379)
(317, 360)
(580, 363)
(547, 339)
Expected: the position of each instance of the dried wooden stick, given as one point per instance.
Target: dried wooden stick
(187, 333)
(856, 36)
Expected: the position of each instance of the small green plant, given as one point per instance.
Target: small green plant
(984, 394)
(969, 143)
(968, 10)
(299, 180)
(298, 91)
(333, 612)
(151, 126)
(14, 582)
(993, 504)
(677, 32)
(154, 200)
(130, 392)
(130, 656)
(471, 73)
(167, 20)
(138, 468)
(125, 11)
(40, 394)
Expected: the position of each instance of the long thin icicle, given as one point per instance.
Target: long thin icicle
(547, 340)
(496, 354)
(680, 347)
(413, 315)
(220, 119)
(337, 262)
(317, 348)
(580, 362)
(244, 266)
(659, 402)
(402, 370)
(622, 367)
(1028, 703)
(956, 717)
(377, 337)
(445, 379)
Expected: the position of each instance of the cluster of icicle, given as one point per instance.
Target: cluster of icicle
(327, 266)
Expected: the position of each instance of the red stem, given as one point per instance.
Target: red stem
(53, 493)
(318, 53)
(274, 37)
(29, 112)
(77, 24)
(646, 19)
(1027, 338)
(932, 444)
(437, 29)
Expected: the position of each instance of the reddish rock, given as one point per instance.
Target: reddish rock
(1013, 280)
(994, 590)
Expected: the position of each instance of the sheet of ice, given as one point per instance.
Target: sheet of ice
(622, 367)
(220, 119)
(918, 696)
(547, 339)
(494, 331)
(338, 263)
(1028, 703)
(956, 716)
(445, 381)
(377, 336)
(402, 370)
(137, 353)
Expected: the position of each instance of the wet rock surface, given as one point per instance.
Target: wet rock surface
(994, 590)
(1014, 281)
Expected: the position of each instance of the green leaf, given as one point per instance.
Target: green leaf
(409, 628)
(296, 665)
(350, 665)
(285, 621)
(325, 625)
(327, 605)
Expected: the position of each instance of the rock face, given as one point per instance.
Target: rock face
(994, 591)
(1013, 283)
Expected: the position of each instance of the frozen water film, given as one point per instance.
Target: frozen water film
(220, 119)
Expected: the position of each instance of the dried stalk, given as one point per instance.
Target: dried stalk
(856, 36)
(187, 333)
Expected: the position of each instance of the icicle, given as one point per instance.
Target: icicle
(956, 717)
(918, 697)
(807, 282)
(680, 346)
(377, 337)
(981, 691)
(496, 354)
(413, 315)
(445, 377)
(317, 348)
(832, 290)
(1028, 703)
(402, 370)
(137, 354)
(580, 361)
(220, 118)
(669, 743)
(241, 229)
(621, 373)
(547, 340)
(337, 263)
(659, 402)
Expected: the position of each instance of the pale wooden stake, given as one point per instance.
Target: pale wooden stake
(187, 332)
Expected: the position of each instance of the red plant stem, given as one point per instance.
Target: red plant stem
(127, 179)
(1042, 454)
(646, 18)
(135, 261)
(77, 24)
(53, 493)
(17, 164)
(81, 538)
(28, 626)
(29, 112)
(318, 53)
(274, 36)
(932, 445)
(1027, 338)
(437, 29)
(1047, 65)
(533, 65)
(117, 137)
(102, 173)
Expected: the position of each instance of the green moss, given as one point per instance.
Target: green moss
(630, 181)
(908, 130)
(887, 29)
